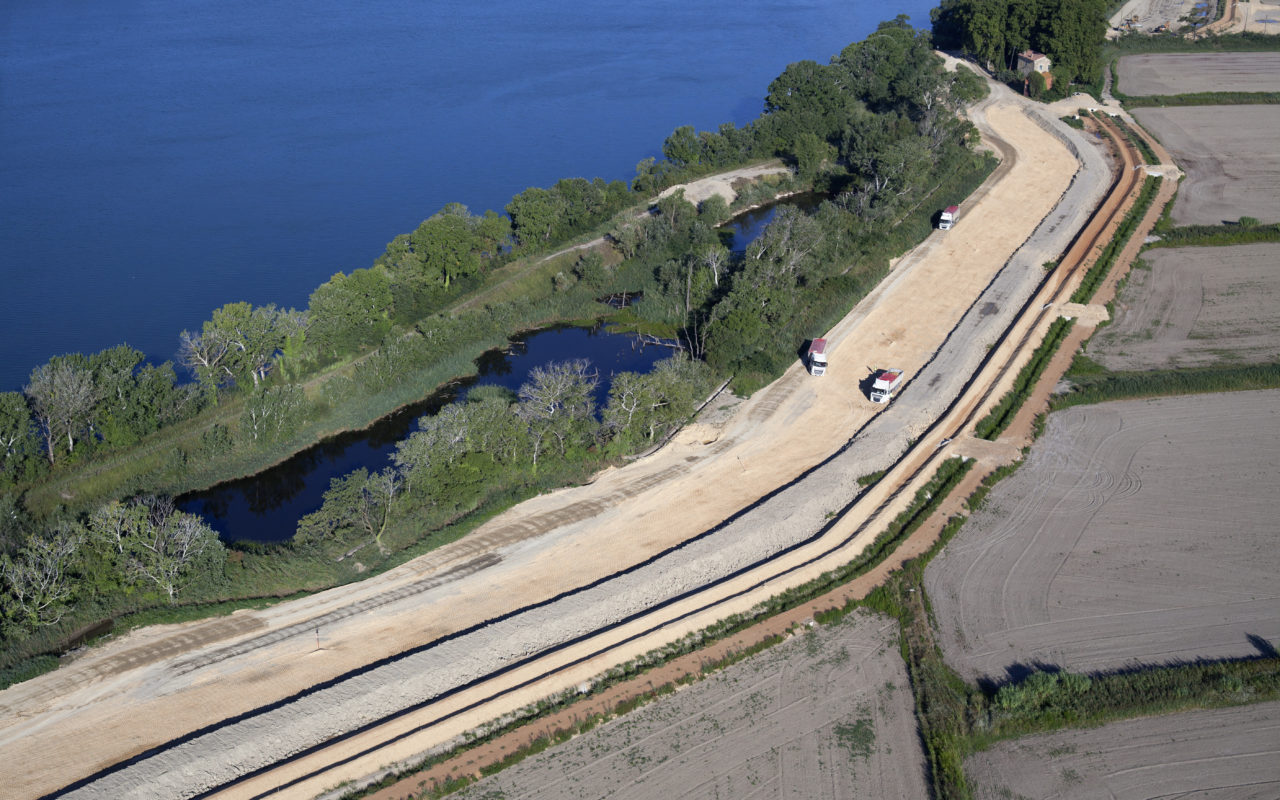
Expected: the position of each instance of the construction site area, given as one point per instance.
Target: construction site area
(1134, 533)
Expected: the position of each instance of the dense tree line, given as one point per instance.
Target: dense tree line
(1070, 32)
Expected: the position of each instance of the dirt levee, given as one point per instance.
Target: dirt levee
(1230, 156)
(1195, 306)
(1222, 753)
(1187, 73)
(827, 714)
(1138, 531)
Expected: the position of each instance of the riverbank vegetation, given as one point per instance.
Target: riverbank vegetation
(95, 443)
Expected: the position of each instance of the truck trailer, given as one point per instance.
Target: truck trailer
(817, 358)
(948, 217)
(887, 382)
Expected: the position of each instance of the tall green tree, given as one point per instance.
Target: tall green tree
(62, 396)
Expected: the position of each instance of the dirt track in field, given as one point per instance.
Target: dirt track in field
(1187, 73)
(774, 436)
(826, 715)
(1137, 531)
(1196, 306)
(1224, 754)
(1230, 156)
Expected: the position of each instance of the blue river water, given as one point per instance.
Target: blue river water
(159, 159)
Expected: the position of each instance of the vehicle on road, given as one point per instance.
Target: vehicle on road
(817, 357)
(887, 382)
(948, 217)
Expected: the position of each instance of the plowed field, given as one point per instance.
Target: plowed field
(827, 714)
(1230, 156)
(1186, 73)
(1222, 753)
(1137, 532)
(1195, 306)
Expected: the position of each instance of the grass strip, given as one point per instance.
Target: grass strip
(1137, 140)
(1216, 235)
(1200, 99)
(1100, 387)
(1094, 277)
(1001, 416)
(1049, 701)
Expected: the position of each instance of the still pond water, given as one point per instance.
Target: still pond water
(160, 159)
(266, 507)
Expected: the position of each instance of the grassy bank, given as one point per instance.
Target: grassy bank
(1001, 416)
(1243, 232)
(1093, 383)
(1098, 272)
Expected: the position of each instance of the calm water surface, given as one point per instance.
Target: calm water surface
(266, 507)
(159, 159)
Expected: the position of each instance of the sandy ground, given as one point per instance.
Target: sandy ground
(827, 714)
(1104, 550)
(1253, 16)
(1224, 754)
(722, 184)
(1151, 14)
(1187, 73)
(1230, 156)
(1195, 306)
(86, 716)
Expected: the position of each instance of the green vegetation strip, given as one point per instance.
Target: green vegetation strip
(1094, 277)
(1098, 387)
(1200, 99)
(1217, 235)
(1000, 417)
(1137, 140)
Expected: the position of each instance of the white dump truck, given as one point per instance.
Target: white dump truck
(887, 382)
(948, 217)
(817, 358)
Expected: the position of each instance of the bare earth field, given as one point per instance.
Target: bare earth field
(1187, 73)
(1137, 531)
(1195, 306)
(1230, 156)
(1220, 753)
(827, 714)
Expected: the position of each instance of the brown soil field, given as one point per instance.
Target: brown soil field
(1137, 532)
(1230, 156)
(1194, 306)
(1186, 73)
(826, 714)
(1219, 753)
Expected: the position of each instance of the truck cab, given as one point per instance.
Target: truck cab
(817, 357)
(886, 383)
